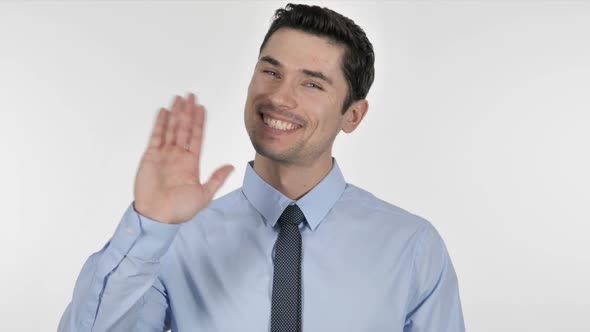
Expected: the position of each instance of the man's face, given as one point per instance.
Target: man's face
(295, 98)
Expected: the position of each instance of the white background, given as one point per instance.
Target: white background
(478, 121)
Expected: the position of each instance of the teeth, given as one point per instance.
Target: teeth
(277, 124)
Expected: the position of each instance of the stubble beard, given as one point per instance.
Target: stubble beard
(292, 155)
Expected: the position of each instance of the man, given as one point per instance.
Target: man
(296, 247)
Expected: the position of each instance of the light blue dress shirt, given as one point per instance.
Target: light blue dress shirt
(367, 265)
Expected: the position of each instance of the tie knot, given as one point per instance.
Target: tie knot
(291, 216)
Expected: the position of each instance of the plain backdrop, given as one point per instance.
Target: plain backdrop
(478, 121)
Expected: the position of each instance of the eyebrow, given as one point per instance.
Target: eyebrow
(310, 73)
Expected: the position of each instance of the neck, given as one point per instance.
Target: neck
(292, 180)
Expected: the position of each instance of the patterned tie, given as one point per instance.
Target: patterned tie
(286, 287)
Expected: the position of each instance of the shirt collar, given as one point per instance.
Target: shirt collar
(315, 204)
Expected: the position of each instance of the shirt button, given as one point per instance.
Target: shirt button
(129, 230)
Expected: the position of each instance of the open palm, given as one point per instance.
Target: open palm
(168, 188)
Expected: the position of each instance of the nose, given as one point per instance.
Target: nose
(283, 95)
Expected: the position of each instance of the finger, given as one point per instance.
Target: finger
(172, 127)
(184, 126)
(216, 180)
(157, 137)
(196, 139)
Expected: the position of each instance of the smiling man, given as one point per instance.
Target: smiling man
(298, 101)
(296, 248)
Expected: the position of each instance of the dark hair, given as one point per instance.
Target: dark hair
(358, 59)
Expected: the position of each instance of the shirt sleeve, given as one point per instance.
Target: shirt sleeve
(118, 288)
(434, 304)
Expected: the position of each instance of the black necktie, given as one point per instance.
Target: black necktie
(286, 287)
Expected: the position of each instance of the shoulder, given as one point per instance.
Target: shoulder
(219, 209)
(228, 200)
(229, 204)
(386, 215)
(396, 222)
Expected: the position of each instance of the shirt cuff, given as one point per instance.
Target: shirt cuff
(143, 238)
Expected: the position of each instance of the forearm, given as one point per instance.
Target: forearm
(110, 290)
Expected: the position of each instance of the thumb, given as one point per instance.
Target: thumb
(217, 179)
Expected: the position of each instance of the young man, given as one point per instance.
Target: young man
(296, 247)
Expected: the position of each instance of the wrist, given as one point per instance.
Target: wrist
(152, 214)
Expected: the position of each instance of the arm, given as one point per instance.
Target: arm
(434, 304)
(118, 288)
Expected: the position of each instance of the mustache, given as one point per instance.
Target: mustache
(269, 108)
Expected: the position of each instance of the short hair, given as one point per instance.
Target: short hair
(358, 59)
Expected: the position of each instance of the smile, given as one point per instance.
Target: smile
(279, 124)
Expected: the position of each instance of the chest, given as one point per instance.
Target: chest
(348, 284)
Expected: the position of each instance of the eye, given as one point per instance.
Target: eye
(270, 72)
(313, 85)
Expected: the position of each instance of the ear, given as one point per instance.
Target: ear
(354, 115)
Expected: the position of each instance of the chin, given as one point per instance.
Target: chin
(281, 157)
(269, 153)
